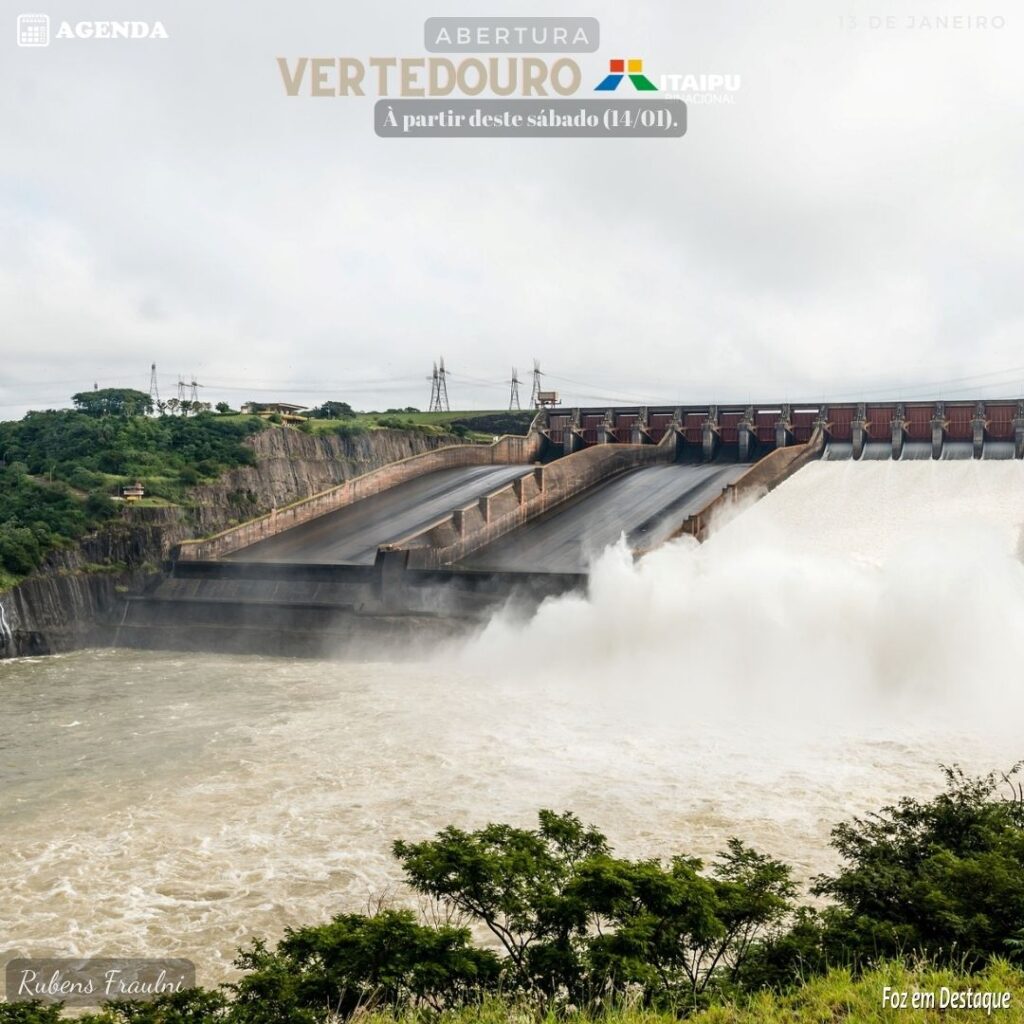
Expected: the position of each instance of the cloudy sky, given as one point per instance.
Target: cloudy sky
(849, 226)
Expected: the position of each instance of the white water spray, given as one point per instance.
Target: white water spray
(854, 594)
(6, 636)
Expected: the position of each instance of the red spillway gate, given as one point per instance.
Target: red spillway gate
(842, 423)
(592, 422)
(764, 425)
(803, 421)
(623, 429)
(919, 422)
(729, 427)
(693, 427)
(658, 425)
(880, 421)
(959, 422)
(557, 427)
(1000, 421)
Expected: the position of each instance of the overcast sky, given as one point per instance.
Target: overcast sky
(851, 225)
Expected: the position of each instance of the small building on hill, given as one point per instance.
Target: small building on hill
(286, 410)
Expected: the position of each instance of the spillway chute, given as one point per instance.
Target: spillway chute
(876, 451)
(837, 451)
(953, 451)
(916, 451)
(997, 450)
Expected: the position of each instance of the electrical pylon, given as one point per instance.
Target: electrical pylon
(433, 390)
(513, 394)
(535, 393)
(442, 387)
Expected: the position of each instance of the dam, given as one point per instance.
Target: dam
(431, 546)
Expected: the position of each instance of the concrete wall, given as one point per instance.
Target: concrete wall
(506, 450)
(762, 477)
(474, 526)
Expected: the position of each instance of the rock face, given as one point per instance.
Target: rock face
(72, 599)
(292, 465)
(62, 605)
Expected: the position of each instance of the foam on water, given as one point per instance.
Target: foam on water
(818, 656)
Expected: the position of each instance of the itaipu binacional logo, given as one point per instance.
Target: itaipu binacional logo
(619, 69)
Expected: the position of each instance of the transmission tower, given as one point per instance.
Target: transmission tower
(439, 388)
(535, 393)
(195, 386)
(513, 394)
(181, 388)
(442, 388)
(154, 387)
(433, 390)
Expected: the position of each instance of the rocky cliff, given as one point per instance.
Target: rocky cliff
(292, 465)
(73, 598)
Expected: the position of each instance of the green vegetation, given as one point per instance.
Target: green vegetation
(470, 426)
(37, 517)
(61, 468)
(928, 898)
(113, 402)
(95, 453)
(833, 998)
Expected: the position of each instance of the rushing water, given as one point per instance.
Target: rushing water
(766, 685)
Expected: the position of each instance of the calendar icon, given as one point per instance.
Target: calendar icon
(33, 30)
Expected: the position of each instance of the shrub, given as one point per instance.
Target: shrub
(349, 429)
(99, 507)
(19, 548)
(356, 961)
(941, 877)
(332, 411)
(83, 479)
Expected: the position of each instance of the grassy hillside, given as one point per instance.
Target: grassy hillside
(474, 425)
(835, 997)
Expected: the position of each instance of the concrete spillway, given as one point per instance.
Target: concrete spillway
(351, 535)
(917, 451)
(647, 505)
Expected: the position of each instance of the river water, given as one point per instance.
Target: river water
(822, 654)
